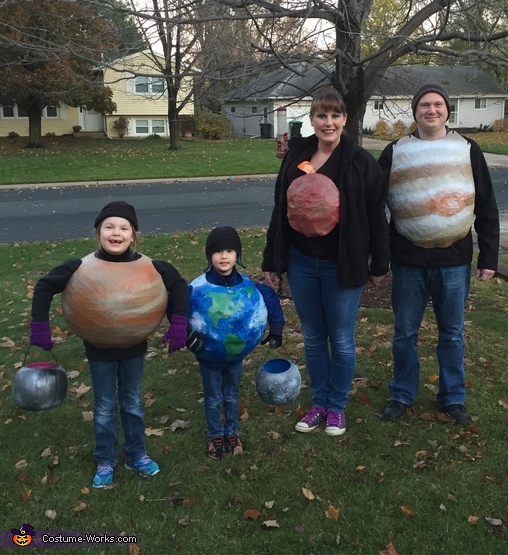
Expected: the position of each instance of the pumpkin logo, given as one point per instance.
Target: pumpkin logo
(23, 536)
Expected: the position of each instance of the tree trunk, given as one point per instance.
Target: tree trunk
(174, 131)
(34, 124)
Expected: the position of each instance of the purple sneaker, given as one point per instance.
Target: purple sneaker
(311, 420)
(335, 423)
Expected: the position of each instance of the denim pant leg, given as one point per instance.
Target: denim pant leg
(327, 313)
(230, 387)
(211, 375)
(104, 384)
(410, 294)
(130, 374)
(449, 291)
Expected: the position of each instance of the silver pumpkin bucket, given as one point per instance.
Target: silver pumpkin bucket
(278, 381)
(39, 386)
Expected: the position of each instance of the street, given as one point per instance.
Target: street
(53, 213)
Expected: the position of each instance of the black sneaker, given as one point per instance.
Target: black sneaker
(233, 442)
(394, 410)
(458, 413)
(215, 448)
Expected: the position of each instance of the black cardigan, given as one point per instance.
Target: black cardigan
(362, 247)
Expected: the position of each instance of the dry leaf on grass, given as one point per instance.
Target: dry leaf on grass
(251, 514)
(308, 494)
(407, 510)
(179, 424)
(332, 512)
(154, 432)
(390, 550)
(271, 524)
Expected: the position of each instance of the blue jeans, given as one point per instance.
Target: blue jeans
(221, 382)
(448, 287)
(110, 377)
(327, 313)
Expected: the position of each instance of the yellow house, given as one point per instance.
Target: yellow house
(138, 91)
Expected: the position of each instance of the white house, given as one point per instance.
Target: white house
(476, 99)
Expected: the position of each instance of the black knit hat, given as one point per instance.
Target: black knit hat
(118, 208)
(222, 238)
(430, 88)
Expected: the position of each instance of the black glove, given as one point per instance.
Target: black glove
(274, 339)
(195, 341)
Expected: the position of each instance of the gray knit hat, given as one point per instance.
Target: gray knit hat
(430, 88)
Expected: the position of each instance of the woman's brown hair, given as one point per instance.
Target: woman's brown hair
(328, 100)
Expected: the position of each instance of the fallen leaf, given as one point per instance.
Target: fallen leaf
(51, 514)
(271, 524)
(134, 549)
(244, 415)
(442, 507)
(308, 494)
(504, 404)
(494, 521)
(251, 514)
(179, 424)
(332, 512)
(80, 507)
(154, 432)
(408, 511)
(26, 494)
(390, 550)
(472, 519)
(21, 464)
(87, 415)
(85, 491)
(398, 443)
(273, 435)
(184, 521)
(6, 342)
(269, 504)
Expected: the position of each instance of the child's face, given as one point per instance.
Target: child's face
(224, 261)
(115, 235)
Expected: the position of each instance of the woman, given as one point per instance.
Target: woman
(330, 236)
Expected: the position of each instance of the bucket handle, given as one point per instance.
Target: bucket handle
(27, 351)
(284, 350)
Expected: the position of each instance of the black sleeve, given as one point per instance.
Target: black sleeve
(176, 287)
(486, 222)
(49, 286)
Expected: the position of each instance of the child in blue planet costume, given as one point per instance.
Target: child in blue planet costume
(228, 315)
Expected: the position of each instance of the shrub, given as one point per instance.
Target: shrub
(76, 128)
(213, 126)
(498, 126)
(153, 136)
(121, 126)
(367, 131)
(50, 134)
(13, 135)
(382, 128)
(399, 128)
(413, 127)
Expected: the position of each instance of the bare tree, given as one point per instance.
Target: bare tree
(48, 51)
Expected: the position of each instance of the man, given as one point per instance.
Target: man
(439, 185)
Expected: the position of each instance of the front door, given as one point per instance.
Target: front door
(92, 120)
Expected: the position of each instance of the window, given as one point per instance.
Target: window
(232, 109)
(378, 106)
(149, 126)
(254, 110)
(145, 84)
(480, 103)
(51, 112)
(453, 112)
(8, 111)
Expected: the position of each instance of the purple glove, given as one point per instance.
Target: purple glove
(40, 335)
(176, 334)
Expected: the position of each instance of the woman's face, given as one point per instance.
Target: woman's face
(328, 126)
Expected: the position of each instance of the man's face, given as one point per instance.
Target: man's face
(431, 113)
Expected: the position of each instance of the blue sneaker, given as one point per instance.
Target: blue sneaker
(144, 465)
(104, 476)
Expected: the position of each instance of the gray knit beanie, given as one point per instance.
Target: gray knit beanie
(430, 88)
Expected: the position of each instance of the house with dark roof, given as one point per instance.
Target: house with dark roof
(476, 98)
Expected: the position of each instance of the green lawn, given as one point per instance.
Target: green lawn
(69, 159)
(422, 485)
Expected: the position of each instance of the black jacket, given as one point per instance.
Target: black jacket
(362, 247)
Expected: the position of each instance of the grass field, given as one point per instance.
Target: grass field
(72, 159)
(421, 486)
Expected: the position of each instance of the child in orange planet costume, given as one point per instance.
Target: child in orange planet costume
(114, 299)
